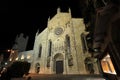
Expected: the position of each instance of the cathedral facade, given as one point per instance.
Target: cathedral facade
(59, 48)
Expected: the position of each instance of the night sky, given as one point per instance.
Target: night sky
(28, 16)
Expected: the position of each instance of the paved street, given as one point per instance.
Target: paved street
(60, 77)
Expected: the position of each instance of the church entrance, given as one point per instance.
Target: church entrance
(59, 67)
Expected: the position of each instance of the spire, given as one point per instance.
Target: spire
(58, 10)
(69, 10)
(49, 19)
(37, 32)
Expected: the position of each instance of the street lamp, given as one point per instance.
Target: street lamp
(13, 55)
(11, 51)
(8, 50)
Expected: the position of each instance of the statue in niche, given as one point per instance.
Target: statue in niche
(89, 64)
(37, 68)
(70, 60)
(48, 62)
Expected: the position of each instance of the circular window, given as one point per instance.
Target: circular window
(58, 31)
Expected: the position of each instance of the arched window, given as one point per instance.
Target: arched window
(83, 40)
(40, 51)
(68, 43)
(49, 48)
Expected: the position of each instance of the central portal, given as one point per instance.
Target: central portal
(59, 67)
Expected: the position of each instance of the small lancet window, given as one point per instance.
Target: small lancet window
(40, 51)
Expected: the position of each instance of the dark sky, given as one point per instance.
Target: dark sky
(28, 16)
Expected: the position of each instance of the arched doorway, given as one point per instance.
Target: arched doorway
(58, 63)
(37, 68)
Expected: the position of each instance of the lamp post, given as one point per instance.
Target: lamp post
(13, 55)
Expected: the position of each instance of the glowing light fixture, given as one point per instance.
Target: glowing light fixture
(22, 57)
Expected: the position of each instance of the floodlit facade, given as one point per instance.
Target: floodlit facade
(61, 48)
